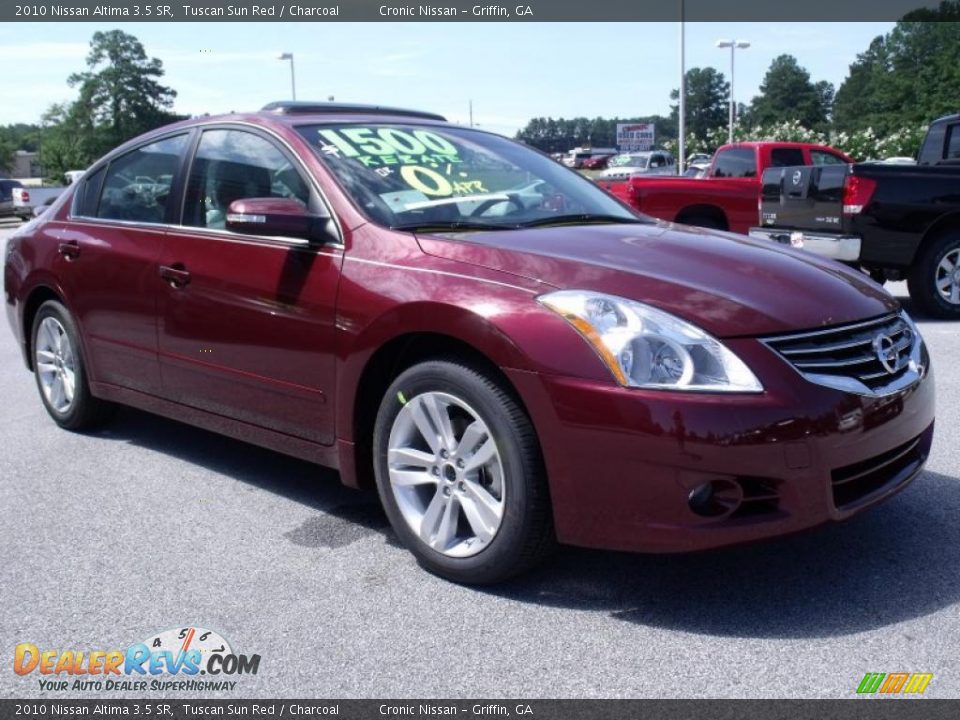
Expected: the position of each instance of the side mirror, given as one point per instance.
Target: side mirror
(277, 217)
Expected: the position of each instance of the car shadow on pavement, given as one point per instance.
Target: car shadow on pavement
(891, 564)
(347, 514)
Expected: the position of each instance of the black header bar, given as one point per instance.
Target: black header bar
(577, 11)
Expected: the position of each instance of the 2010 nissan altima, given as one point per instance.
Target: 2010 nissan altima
(511, 356)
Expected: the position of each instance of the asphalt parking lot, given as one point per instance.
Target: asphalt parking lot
(149, 525)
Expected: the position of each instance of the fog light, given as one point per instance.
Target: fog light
(715, 499)
(700, 496)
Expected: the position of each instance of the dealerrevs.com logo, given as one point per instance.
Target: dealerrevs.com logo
(187, 658)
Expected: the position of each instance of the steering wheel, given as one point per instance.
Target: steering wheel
(485, 205)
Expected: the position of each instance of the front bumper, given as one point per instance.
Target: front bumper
(623, 462)
(845, 248)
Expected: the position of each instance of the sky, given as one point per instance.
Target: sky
(511, 72)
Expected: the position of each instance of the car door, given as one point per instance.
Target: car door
(107, 260)
(246, 323)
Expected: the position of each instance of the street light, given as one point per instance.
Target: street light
(733, 45)
(293, 79)
(682, 106)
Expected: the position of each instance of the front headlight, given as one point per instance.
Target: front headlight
(647, 348)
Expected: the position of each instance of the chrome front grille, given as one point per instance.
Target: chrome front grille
(870, 357)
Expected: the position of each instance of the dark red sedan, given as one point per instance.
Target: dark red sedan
(509, 354)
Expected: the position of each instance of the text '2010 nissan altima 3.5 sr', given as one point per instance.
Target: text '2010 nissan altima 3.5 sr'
(509, 354)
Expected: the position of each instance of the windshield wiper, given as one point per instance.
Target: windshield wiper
(582, 218)
(451, 225)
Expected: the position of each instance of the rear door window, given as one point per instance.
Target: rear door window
(819, 157)
(786, 157)
(953, 143)
(736, 163)
(137, 185)
(88, 194)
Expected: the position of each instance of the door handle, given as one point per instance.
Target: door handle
(175, 276)
(70, 249)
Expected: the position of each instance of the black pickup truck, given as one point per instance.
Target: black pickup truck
(894, 221)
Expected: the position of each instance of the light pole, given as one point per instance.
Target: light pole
(733, 45)
(682, 107)
(293, 78)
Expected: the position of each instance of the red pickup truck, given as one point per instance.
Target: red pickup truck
(727, 197)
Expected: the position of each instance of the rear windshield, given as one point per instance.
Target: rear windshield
(736, 163)
(404, 175)
(639, 161)
(786, 157)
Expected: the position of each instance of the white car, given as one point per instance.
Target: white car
(649, 162)
(697, 169)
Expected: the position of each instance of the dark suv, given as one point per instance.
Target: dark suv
(511, 355)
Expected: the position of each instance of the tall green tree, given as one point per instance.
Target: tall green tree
(119, 97)
(787, 93)
(121, 89)
(70, 140)
(708, 99)
(910, 75)
(857, 103)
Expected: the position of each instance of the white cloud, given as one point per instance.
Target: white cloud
(397, 64)
(32, 52)
(215, 57)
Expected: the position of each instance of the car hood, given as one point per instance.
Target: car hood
(730, 285)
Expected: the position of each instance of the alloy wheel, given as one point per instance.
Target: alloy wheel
(948, 277)
(55, 363)
(446, 474)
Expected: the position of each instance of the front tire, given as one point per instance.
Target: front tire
(934, 281)
(60, 371)
(460, 474)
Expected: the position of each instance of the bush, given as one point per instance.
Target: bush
(860, 145)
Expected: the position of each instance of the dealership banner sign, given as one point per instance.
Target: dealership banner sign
(632, 137)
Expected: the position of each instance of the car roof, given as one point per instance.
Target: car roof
(778, 143)
(290, 113)
(302, 107)
(947, 118)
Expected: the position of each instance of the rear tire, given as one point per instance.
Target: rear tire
(60, 371)
(468, 494)
(705, 221)
(934, 280)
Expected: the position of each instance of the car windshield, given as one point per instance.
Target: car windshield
(639, 161)
(409, 176)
